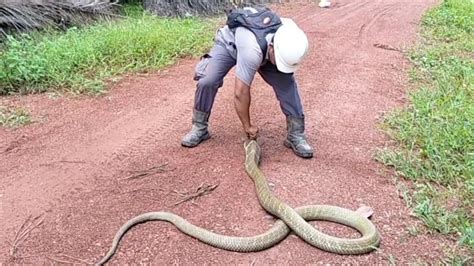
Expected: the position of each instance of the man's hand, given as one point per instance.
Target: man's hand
(252, 132)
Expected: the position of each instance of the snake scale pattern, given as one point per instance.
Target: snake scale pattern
(289, 220)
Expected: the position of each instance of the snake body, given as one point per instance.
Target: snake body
(289, 220)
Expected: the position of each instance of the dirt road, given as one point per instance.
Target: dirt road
(72, 165)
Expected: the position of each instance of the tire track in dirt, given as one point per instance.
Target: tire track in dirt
(351, 10)
(366, 27)
(342, 13)
(158, 130)
(127, 136)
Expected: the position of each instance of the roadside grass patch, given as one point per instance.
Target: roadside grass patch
(435, 131)
(80, 60)
(14, 117)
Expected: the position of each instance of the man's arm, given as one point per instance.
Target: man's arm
(242, 100)
(249, 58)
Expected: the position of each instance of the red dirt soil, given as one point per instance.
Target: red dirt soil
(72, 164)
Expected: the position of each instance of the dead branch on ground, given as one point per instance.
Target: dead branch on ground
(24, 231)
(200, 191)
(387, 47)
(151, 171)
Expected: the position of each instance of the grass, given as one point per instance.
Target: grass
(435, 131)
(82, 59)
(13, 117)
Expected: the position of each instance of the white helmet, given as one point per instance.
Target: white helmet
(290, 45)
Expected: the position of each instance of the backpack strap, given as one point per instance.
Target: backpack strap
(261, 23)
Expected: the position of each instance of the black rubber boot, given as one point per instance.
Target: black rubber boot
(199, 130)
(296, 138)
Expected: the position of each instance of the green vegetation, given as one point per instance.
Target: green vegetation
(81, 59)
(13, 117)
(435, 131)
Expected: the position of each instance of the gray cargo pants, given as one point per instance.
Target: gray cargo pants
(213, 67)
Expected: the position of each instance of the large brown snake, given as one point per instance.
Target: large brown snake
(290, 220)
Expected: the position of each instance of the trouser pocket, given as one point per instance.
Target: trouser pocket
(200, 70)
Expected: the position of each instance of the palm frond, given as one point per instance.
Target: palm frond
(27, 15)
